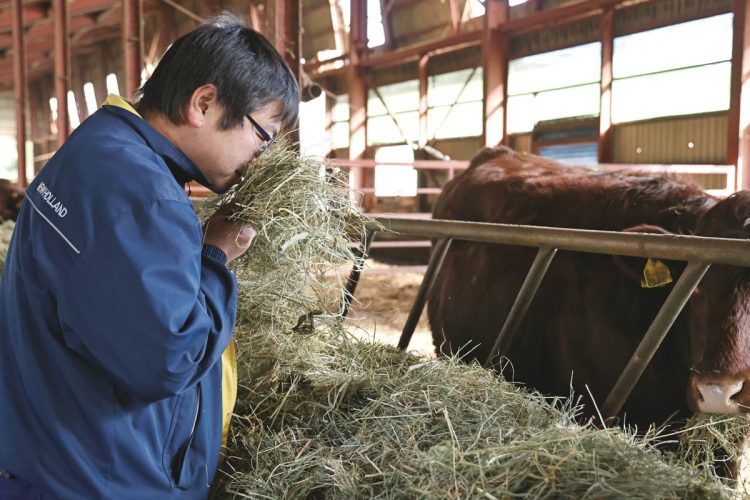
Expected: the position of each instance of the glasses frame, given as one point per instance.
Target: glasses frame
(268, 140)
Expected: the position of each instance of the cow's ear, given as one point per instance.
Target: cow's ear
(648, 273)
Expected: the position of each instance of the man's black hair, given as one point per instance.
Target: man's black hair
(246, 69)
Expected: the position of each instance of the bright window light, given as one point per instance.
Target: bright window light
(112, 87)
(556, 69)
(90, 96)
(8, 158)
(515, 2)
(693, 43)
(313, 139)
(340, 128)
(476, 8)
(375, 32)
(395, 180)
(702, 89)
(402, 100)
(73, 110)
(53, 115)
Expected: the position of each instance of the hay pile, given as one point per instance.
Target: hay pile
(6, 231)
(718, 442)
(304, 221)
(322, 414)
(330, 416)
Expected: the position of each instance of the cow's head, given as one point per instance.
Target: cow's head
(11, 199)
(720, 319)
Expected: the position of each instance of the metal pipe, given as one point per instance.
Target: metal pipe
(62, 67)
(19, 86)
(430, 276)
(654, 337)
(360, 255)
(677, 247)
(528, 290)
(131, 39)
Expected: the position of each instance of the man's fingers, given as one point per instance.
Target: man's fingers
(245, 236)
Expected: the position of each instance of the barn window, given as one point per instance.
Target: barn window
(677, 70)
(314, 139)
(394, 119)
(90, 96)
(340, 123)
(73, 117)
(112, 87)
(375, 31)
(395, 180)
(454, 103)
(559, 84)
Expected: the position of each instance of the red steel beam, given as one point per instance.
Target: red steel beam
(288, 33)
(455, 16)
(423, 124)
(495, 55)
(416, 51)
(132, 44)
(62, 67)
(605, 114)
(19, 77)
(357, 87)
(30, 13)
(739, 43)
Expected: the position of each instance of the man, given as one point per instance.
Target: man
(115, 307)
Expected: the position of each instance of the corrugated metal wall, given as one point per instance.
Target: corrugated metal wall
(667, 140)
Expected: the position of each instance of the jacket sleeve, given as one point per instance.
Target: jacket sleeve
(148, 304)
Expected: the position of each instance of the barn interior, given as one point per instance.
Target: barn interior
(401, 94)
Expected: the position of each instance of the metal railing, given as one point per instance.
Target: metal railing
(699, 252)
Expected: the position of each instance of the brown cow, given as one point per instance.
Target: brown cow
(11, 198)
(591, 311)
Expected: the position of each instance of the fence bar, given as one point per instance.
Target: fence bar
(654, 337)
(528, 290)
(675, 247)
(360, 254)
(430, 276)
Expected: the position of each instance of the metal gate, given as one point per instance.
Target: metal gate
(698, 252)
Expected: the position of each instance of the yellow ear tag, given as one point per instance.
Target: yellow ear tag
(655, 274)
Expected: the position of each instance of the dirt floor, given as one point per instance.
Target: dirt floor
(382, 302)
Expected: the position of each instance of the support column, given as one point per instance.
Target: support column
(495, 55)
(62, 67)
(288, 33)
(19, 85)
(738, 119)
(132, 45)
(606, 141)
(357, 95)
(423, 125)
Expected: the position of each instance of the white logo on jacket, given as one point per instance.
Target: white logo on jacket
(51, 200)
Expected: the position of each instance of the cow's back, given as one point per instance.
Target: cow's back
(588, 315)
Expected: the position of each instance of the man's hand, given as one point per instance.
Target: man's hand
(233, 238)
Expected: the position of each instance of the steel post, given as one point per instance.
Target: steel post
(360, 254)
(517, 312)
(654, 337)
(430, 276)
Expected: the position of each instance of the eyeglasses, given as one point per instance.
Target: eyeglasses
(265, 136)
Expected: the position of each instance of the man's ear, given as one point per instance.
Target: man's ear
(648, 273)
(202, 99)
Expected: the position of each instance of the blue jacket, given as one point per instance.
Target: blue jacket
(113, 320)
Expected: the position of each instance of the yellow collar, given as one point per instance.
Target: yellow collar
(116, 100)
